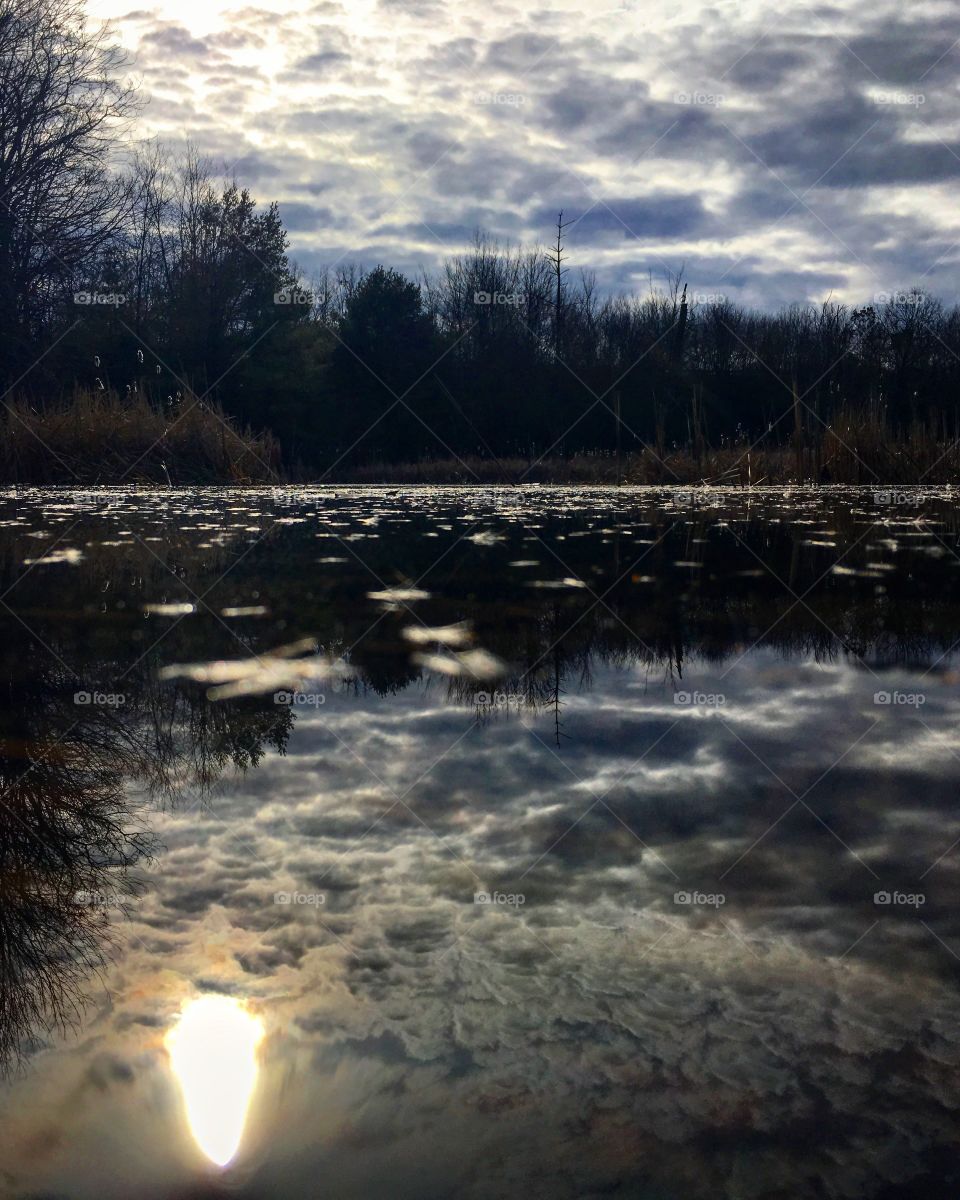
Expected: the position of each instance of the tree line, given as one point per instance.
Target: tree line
(127, 268)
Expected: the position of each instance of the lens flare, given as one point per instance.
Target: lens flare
(212, 1051)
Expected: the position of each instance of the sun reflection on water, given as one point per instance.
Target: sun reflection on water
(212, 1051)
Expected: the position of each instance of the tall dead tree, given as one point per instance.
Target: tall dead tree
(557, 260)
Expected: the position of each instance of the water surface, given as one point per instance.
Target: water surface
(562, 842)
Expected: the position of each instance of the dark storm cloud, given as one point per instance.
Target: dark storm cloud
(769, 70)
(661, 216)
(452, 234)
(908, 53)
(299, 216)
(644, 130)
(849, 141)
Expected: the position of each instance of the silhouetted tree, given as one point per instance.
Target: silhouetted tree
(386, 349)
(60, 205)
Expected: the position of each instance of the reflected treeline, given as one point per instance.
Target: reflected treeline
(551, 591)
(72, 836)
(80, 735)
(654, 588)
(67, 846)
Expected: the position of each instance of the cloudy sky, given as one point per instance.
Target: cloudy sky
(778, 152)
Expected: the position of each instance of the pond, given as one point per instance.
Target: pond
(477, 842)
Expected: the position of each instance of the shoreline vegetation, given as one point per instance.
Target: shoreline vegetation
(103, 439)
(99, 438)
(861, 452)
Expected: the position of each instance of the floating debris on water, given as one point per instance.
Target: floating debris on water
(399, 595)
(66, 555)
(474, 664)
(285, 667)
(444, 635)
(568, 582)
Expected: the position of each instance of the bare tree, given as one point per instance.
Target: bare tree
(556, 260)
(60, 204)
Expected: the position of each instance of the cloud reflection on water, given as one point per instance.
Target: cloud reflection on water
(599, 1030)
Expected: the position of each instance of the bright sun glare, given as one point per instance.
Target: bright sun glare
(213, 1052)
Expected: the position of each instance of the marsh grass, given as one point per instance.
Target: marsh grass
(857, 448)
(97, 437)
(101, 438)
